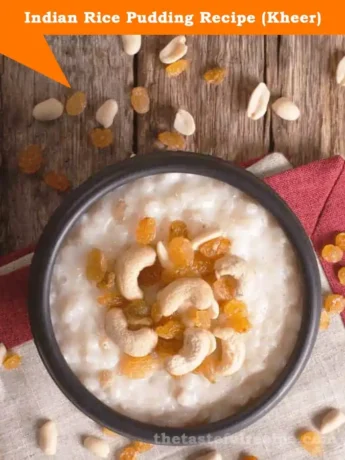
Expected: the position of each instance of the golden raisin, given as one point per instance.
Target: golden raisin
(173, 140)
(137, 368)
(106, 378)
(172, 274)
(178, 228)
(155, 313)
(216, 248)
(166, 348)
(96, 265)
(215, 76)
(311, 441)
(151, 275)
(210, 278)
(108, 432)
(341, 276)
(331, 253)
(138, 308)
(30, 160)
(202, 265)
(334, 303)
(146, 230)
(249, 457)
(176, 68)
(57, 181)
(208, 368)
(128, 453)
(76, 103)
(140, 100)
(107, 282)
(172, 329)
(225, 288)
(140, 446)
(12, 361)
(101, 137)
(199, 318)
(239, 322)
(181, 252)
(234, 306)
(324, 320)
(111, 299)
(340, 241)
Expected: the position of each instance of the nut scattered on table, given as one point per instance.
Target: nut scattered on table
(106, 113)
(184, 123)
(286, 109)
(48, 110)
(340, 73)
(258, 102)
(97, 446)
(331, 421)
(214, 455)
(174, 50)
(3, 352)
(47, 438)
(131, 44)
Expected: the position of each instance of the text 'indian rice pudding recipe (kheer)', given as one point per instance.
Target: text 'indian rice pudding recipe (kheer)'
(176, 299)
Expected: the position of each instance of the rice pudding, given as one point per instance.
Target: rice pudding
(170, 358)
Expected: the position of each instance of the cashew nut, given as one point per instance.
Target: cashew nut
(208, 235)
(233, 351)
(197, 344)
(230, 265)
(163, 255)
(134, 343)
(186, 292)
(129, 265)
(214, 455)
(47, 438)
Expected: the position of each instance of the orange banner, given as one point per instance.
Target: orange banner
(24, 24)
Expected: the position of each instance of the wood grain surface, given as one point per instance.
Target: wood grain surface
(300, 67)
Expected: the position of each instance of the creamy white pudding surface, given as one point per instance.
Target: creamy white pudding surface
(273, 294)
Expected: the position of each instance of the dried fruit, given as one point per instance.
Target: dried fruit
(176, 68)
(341, 275)
(131, 44)
(286, 109)
(101, 137)
(184, 123)
(249, 457)
(57, 181)
(48, 110)
(181, 252)
(96, 265)
(324, 320)
(155, 313)
(107, 282)
(202, 265)
(137, 368)
(30, 160)
(174, 141)
(106, 113)
(146, 230)
(174, 50)
(340, 241)
(239, 322)
(199, 318)
(128, 453)
(112, 299)
(216, 248)
(151, 275)
(215, 76)
(166, 348)
(210, 278)
(225, 288)
(108, 432)
(172, 329)
(311, 441)
(334, 303)
(178, 228)
(76, 103)
(234, 306)
(140, 100)
(138, 308)
(106, 378)
(140, 446)
(331, 253)
(12, 361)
(208, 368)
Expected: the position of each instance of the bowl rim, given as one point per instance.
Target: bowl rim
(77, 202)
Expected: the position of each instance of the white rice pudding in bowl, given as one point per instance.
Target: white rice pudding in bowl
(176, 299)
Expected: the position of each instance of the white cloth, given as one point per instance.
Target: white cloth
(28, 396)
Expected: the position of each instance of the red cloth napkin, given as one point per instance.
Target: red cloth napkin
(315, 192)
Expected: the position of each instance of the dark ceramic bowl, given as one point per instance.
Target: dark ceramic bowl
(77, 203)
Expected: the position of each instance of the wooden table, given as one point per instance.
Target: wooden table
(302, 67)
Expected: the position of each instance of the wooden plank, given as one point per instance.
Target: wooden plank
(222, 127)
(94, 64)
(303, 68)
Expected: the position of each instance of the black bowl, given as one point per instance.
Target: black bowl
(77, 202)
